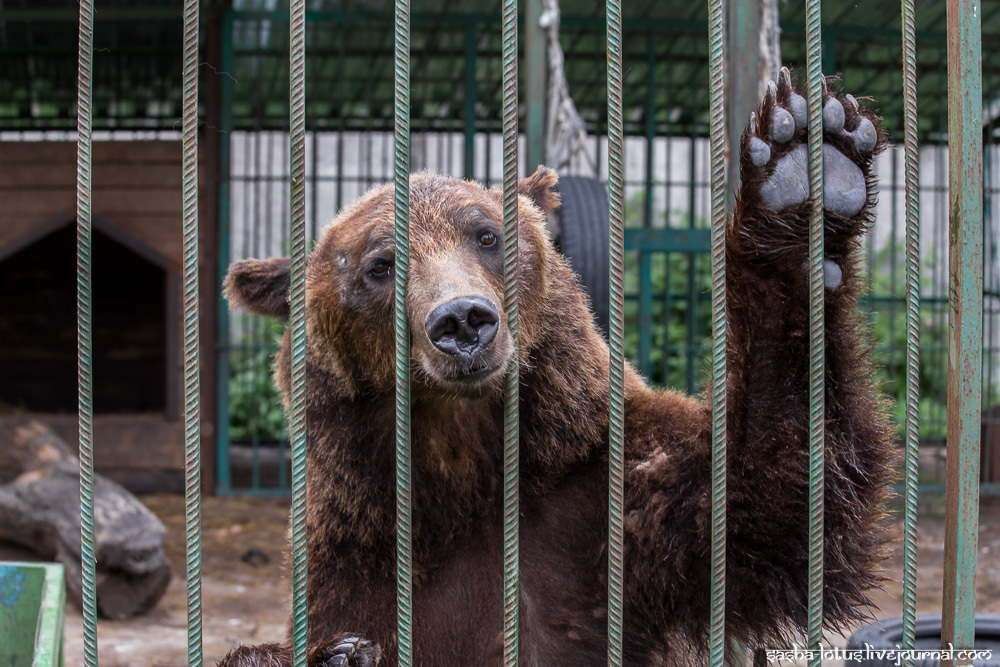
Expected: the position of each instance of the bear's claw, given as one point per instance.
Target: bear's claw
(777, 144)
(348, 652)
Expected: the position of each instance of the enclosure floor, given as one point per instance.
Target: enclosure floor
(247, 603)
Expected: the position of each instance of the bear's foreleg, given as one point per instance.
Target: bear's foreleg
(668, 507)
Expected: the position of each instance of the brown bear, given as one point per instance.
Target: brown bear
(461, 348)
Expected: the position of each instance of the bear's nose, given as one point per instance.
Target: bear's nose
(463, 327)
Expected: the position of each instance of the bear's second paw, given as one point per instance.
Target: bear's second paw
(347, 651)
(775, 143)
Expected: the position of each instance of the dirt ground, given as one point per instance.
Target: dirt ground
(246, 599)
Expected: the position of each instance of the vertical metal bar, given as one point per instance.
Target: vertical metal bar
(651, 88)
(471, 43)
(84, 321)
(743, 38)
(535, 98)
(297, 299)
(314, 183)
(893, 263)
(192, 386)
(511, 473)
(830, 56)
(717, 138)
(616, 455)
(645, 261)
(222, 469)
(817, 343)
(692, 276)
(404, 501)
(645, 313)
(911, 175)
(965, 350)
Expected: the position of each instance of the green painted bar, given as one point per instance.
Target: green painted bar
(651, 90)
(691, 346)
(645, 312)
(84, 325)
(404, 499)
(297, 323)
(223, 472)
(965, 350)
(511, 472)
(645, 260)
(616, 431)
(742, 37)
(817, 346)
(192, 386)
(471, 44)
(536, 82)
(717, 138)
(911, 462)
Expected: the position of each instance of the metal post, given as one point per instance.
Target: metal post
(471, 44)
(743, 42)
(717, 137)
(616, 444)
(911, 466)
(965, 350)
(817, 343)
(401, 175)
(297, 299)
(223, 471)
(645, 261)
(192, 386)
(85, 385)
(511, 471)
(536, 82)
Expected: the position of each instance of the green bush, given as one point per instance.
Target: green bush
(254, 405)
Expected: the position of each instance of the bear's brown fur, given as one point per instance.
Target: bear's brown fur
(564, 362)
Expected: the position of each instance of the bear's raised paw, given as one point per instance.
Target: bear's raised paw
(775, 142)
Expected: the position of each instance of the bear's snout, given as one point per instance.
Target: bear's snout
(463, 327)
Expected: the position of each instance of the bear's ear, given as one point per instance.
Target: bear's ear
(260, 286)
(539, 188)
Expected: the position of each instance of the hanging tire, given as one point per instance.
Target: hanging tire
(888, 634)
(583, 238)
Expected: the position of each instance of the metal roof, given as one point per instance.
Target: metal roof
(349, 63)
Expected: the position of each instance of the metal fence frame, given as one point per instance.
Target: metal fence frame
(965, 353)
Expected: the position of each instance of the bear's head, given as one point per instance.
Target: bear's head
(461, 337)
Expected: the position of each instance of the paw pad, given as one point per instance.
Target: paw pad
(775, 145)
(833, 275)
(833, 115)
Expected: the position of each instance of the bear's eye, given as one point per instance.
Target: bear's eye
(486, 239)
(381, 269)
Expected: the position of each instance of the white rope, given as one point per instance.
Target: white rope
(565, 134)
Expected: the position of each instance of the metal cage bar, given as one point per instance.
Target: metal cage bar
(511, 557)
(965, 350)
(85, 380)
(717, 620)
(297, 299)
(404, 501)
(817, 344)
(912, 441)
(616, 430)
(192, 360)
